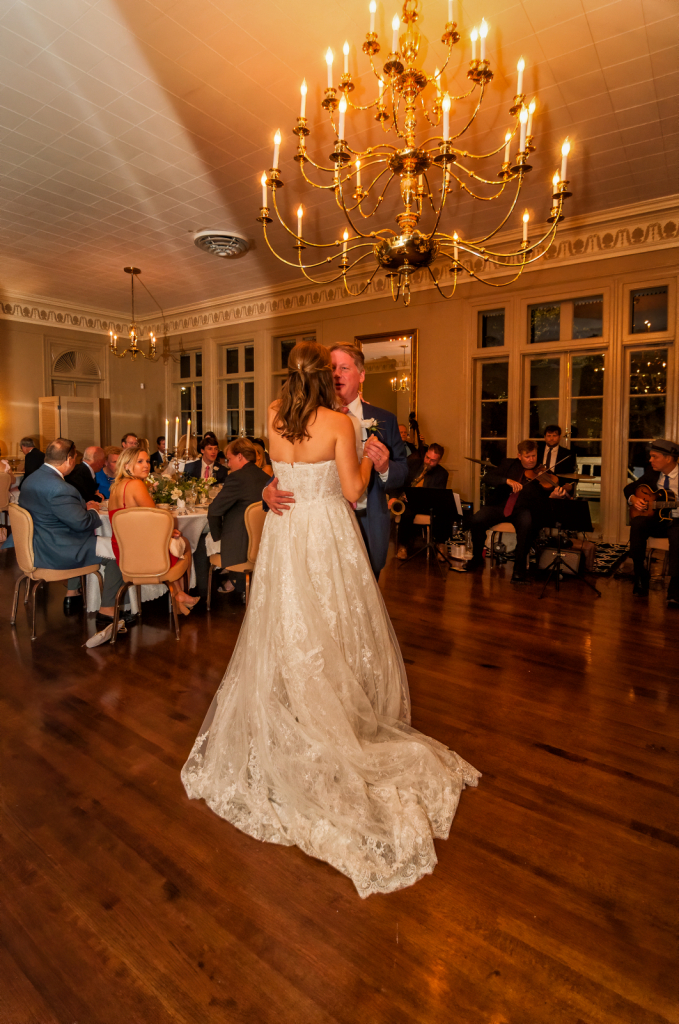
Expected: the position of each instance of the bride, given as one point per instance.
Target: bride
(308, 739)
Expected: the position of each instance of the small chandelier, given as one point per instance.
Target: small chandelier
(401, 381)
(426, 172)
(133, 347)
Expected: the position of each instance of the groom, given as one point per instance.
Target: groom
(387, 451)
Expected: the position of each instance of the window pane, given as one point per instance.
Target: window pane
(588, 317)
(185, 399)
(232, 423)
(493, 419)
(185, 365)
(492, 328)
(545, 323)
(541, 414)
(588, 463)
(232, 360)
(249, 353)
(637, 460)
(232, 396)
(287, 345)
(647, 416)
(199, 424)
(199, 364)
(587, 375)
(199, 396)
(648, 372)
(494, 451)
(648, 310)
(494, 380)
(250, 422)
(544, 378)
(587, 417)
(249, 394)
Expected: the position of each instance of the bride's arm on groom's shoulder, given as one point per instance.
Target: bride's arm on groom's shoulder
(354, 476)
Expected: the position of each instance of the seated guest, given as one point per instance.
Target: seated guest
(518, 500)
(410, 448)
(553, 455)
(663, 474)
(207, 466)
(106, 475)
(63, 528)
(225, 515)
(209, 437)
(159, 458)
(263, 460)
(130, 491)
(129, 441)
(143, 442)
(84, 476)
(33, 457)
(424, 472)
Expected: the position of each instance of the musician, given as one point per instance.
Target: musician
(518, 500)
(424, 471)
(553, 455)
(664, 473)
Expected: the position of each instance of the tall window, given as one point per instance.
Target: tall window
(494, 396)
(191, 392)
(237, 369)
(648, 310)
(544, 395)
(491, 328)
(568, 320)
(647, 404)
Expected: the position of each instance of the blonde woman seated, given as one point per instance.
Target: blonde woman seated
(129, 490)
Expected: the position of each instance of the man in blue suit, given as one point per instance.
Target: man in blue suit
(64, 525)
(390, 463)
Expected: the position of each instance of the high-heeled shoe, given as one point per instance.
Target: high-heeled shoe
(185, 607)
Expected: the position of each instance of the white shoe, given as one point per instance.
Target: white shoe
(105, 634)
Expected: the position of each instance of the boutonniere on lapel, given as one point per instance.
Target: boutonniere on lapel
(372, 426)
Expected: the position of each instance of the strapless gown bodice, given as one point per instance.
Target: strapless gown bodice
(310, 481)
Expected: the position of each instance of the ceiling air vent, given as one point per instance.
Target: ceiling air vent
(226, 244)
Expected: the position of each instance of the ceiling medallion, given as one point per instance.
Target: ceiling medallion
(226, 244)
(426, 172)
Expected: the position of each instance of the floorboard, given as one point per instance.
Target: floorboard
(555, 897)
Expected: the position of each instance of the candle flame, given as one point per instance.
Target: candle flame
(483, 31)
(566, 148)
(526, 216)
(358, 165)
(523, 116)
(521, 65)
(262, 180)
(277, 138)
(475, 34)
(456, 237)
(345, 236)
(303, 88)
(508, 137)
(373, 6)
(343, 104)
(300, 211)
(555, 179)
(328, 56)
(345, 49)
(531, 108)
(446, 103)
(395, 23)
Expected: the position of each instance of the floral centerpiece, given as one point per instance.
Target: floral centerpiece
(190, 489)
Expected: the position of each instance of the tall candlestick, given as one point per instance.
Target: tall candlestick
(526, 218)
(372, 9)
(276, 148)
(531, 111)
(395, 25)
(380, 86)
(262, 182)
(565, 150)
(446, 115)
(167, 434)
(328, 61)
(358, 174)
(508, 141)
(437, 82)
(342, 112)
(302, 106)
(474, 37)
(483, 32)
(455, 241)
(345, 237)
(345, 51)
(300, 214)
(519, 84)
(555, 185)
(523, 118)
(450, 10)
(176, 433)
(187, 449)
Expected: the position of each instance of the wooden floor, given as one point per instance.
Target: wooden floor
(554, 899)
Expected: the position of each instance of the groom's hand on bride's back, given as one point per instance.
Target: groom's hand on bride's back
(278, 501)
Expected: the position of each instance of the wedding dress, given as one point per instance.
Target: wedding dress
(308, 740)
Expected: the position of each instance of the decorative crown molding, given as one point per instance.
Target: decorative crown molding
(622, 231)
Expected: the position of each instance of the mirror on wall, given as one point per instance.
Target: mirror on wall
(391, 372)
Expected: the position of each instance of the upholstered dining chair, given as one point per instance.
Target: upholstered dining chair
(5, 485)
(143, 536)
(22, 531)
(254, 523)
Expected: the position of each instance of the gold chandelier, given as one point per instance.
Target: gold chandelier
(401, 382)
(133, 347)
(361, 179)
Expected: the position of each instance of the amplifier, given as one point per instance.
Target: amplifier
(571, 558)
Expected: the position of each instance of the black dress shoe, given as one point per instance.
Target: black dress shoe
(641, 585)
(520, 579)
(105, 620)
(73, 605)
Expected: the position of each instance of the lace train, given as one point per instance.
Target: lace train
(308, 740)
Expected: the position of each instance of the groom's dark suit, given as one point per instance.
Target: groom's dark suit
(375, 520)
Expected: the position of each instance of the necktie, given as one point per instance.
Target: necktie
(207, 472)
(666, 485)
(551, 457)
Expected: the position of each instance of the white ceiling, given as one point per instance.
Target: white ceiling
(126, 125)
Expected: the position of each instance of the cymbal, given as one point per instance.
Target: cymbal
(481, 462)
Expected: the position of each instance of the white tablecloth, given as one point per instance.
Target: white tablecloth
(191, 527)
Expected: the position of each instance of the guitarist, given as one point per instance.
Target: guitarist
(664, 473)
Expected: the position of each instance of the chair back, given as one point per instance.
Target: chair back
(21, 522)
(254, 524)
(5, 484)
(143, 536)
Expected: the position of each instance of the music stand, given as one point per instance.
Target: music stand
(432, 502)
(573, 516)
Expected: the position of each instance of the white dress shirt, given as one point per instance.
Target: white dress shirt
(356, 415)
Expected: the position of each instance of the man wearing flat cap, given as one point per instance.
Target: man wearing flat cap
(663, 475)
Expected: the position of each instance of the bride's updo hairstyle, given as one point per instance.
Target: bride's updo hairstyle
(309, 385)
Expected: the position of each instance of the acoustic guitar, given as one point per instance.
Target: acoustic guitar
(656, 501)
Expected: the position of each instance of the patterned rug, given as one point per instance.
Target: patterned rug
(608, 558)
